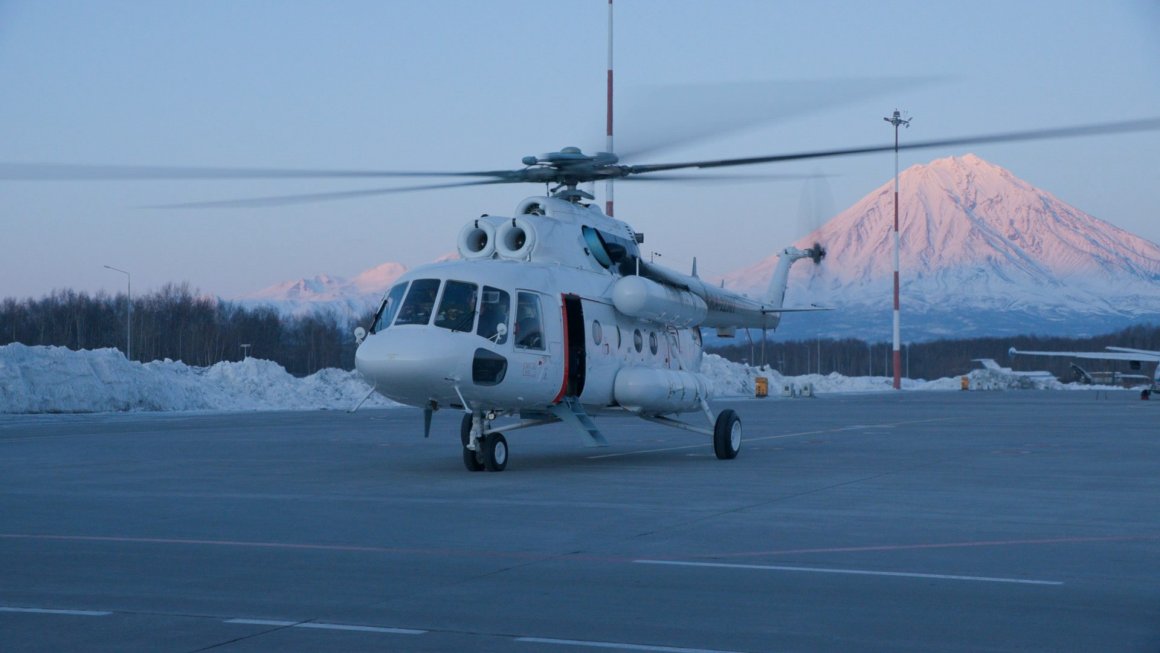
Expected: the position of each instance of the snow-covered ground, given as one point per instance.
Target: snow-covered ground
(60, 380)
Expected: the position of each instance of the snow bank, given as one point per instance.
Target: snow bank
(731, 379)
(59, 380)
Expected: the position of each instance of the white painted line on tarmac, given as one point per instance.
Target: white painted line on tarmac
(362, 629)
(856, 572)
(261, 622)
(75, 613)
(325, 626)
(619, 645)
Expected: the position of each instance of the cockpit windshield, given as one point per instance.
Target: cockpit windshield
(459, 304)
(420, 302)
(457, 308)
(389, 308)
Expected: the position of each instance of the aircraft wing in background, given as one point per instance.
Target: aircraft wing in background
(1113, 354)
(1135, 357)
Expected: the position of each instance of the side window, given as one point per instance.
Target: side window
(457, 307)
(493, 315)
(529, 321)
(389, 308)
(419, 303)
(637, 340)
(597, 332)
(652, 342)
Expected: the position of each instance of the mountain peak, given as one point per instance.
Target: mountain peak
(972, 235)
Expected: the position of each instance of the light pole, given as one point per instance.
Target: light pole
(128, 310)
(896, 120)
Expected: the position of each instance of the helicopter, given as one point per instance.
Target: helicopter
(550, 314)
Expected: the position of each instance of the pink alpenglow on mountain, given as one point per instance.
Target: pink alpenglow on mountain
(973, 237)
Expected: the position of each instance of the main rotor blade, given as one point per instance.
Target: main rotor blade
(308, 198)
(1129, 126)
(661, 117)
(719, 177)
(81, 172)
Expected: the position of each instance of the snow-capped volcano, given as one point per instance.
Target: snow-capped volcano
(982, 253)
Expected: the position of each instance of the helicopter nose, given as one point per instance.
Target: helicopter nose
(414, 365)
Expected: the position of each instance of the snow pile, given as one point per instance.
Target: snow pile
(59, 380)
(731, 379)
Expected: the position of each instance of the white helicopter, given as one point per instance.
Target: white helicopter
(551, 315)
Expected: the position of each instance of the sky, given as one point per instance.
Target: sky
(468, 85)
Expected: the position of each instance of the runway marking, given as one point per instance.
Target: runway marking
(75, 613)
(798, 434)
(619, 645)
(939, 545)
(291, 546)
(326, 626)
(856, 572)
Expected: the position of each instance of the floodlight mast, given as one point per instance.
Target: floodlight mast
(128, 311)
(896, 120)
(608, 130)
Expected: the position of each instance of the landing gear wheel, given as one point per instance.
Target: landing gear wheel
(495, 452)
(727, 435)
(471, 459)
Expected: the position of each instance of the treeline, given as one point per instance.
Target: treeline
(177, 323)
(935, 359)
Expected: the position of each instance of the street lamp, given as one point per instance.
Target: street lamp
(128, 310)
(896, 120)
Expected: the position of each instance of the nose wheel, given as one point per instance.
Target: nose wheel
(491, 452)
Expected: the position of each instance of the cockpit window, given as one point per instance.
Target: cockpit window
(529, 325)
(457, 308)
(420, 302)
(493, 315)
(389, 307)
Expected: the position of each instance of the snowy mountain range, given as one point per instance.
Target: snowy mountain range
(983, 253)
(344, 297)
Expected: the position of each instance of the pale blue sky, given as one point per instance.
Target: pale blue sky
(477, 85)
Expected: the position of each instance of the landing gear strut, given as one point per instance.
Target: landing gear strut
(490, 452)
(471, 459)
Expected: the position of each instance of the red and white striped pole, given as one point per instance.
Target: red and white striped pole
(608, 131)
(896, 120)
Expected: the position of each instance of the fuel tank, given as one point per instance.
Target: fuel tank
(638, 297)
(659, 390)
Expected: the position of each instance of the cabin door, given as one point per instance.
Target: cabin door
(574, 345)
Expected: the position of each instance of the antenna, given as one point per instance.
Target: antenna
(896, 120)
(608, 130)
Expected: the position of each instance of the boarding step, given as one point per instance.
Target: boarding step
(571, 412)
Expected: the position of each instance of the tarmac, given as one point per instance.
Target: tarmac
(911, 521)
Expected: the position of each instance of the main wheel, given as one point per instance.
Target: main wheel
(727, 435)
(471, 459)
(495, 452)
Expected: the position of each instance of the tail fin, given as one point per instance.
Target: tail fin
(775, 296)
